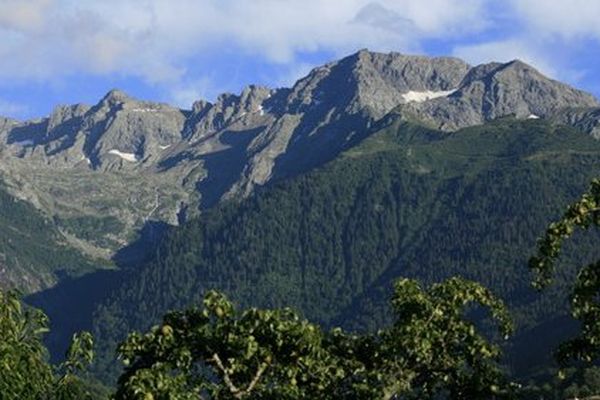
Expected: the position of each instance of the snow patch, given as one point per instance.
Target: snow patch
(261, 110)
(533, 116)
(144, 110)
(163, 147)
(421, 96)
(24, 143)
(125, 156)
(87, 160)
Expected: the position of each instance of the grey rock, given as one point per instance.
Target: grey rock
(332, 107)
(585, 119)
(140, 161)
(496, 90)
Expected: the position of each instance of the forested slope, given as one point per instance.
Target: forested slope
(33, 252)
(408, 201)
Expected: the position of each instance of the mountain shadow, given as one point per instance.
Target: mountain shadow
(224, 167)
(71, 303)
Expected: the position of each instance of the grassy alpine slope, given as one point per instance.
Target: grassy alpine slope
(408, 201)
(33, 252)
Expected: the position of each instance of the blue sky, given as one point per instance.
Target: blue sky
(177, 51)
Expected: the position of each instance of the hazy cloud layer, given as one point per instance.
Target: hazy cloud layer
(568, 20)
(504, 51)
(152, 38)
(11, 108)
(157, 41)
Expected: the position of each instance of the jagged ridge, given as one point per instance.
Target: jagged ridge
(140, 161)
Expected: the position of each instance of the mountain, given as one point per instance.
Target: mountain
(33, 252)
(586, 119)
(408, 201)
(495, 90)
(316, 196)
(105, 172)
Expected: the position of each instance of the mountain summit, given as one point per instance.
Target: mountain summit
(134, 161)
(495, 90)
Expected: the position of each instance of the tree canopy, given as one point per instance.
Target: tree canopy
(216, 352)
(25, 372)
(433, 348)
(582, 214)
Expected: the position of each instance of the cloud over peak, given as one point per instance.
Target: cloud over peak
(179, 45)
(153, 38)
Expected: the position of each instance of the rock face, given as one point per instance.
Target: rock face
(140, 161)
(495, 90)
(585, 119)
(116, 131)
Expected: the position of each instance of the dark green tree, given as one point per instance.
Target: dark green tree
(582, 214)
(432, 348)
(25, 373)
(214, 352)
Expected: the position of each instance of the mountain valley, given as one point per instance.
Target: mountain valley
(370, 168)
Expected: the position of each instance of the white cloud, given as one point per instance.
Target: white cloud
(507, 50)
(23, 15)
(11, 109)
(445, 18)
(153, 39)
(186, 93)
(293, 74)
(567, 19)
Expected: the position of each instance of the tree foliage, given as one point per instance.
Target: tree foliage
(441, 350)
(216, 352)
(582, 214)
(25, 373)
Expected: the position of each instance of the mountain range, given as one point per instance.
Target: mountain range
(103, 172)
(317, 196)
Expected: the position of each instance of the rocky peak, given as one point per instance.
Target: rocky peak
(200, 106)
(274, 133)
(333, 106)
(227, 147)
(496, 90)
(386, 80)
(116, 133)
(229, 109)
(377, 82)
(63, 113)
(115, 96)
(411, 73)
(309, 90)
(479, 72)
(517, 81)
(253, 96)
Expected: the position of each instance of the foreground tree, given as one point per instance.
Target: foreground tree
(582, 214)
(25, 372)
(432, 348)
(214, 352)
